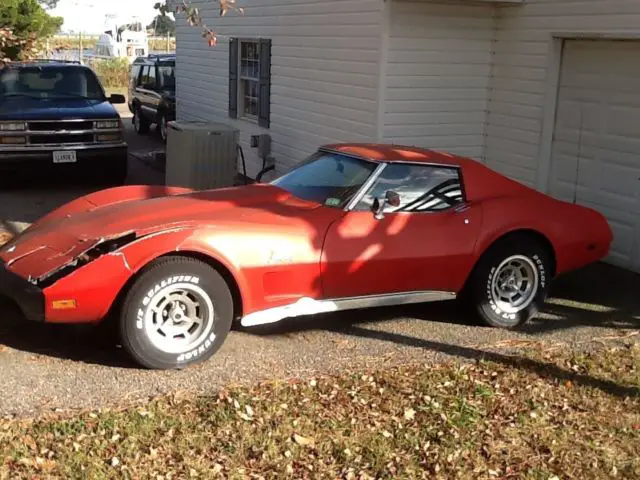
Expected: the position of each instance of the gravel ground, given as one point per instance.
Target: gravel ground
(59, 367)
(52, 367)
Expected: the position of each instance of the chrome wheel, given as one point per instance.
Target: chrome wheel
(178, 318)
(514, 284)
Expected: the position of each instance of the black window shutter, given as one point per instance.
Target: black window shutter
(233, 78)
(264, 106)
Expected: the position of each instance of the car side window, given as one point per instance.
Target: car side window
(143, 78)
(148, 77)
(421, 188)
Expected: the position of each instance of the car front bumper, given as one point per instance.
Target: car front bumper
(39, 157)
(29, 298)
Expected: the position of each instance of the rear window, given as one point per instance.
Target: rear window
(50, 82)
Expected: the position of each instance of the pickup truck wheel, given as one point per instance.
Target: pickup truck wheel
(511, 282)
(140, 124)
(177, 313)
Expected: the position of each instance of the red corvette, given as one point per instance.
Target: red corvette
(353, 226)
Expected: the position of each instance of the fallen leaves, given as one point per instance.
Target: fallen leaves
(471, 420)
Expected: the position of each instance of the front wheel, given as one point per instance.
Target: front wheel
(511, 282)
(162, 127)
(177, 313)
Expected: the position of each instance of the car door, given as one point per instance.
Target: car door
(147, 84)
(424, 243)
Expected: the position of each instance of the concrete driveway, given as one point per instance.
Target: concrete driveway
(58, 367)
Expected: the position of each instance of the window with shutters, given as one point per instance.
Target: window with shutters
(250, 79)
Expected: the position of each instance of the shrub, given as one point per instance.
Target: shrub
(113, 72)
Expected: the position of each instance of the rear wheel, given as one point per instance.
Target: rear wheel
(177, 313)
(511, 281)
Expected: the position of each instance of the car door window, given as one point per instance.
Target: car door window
(422, 188)
(148, 77)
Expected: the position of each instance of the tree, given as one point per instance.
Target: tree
(193, 16)
(163, 25)
(24, 24)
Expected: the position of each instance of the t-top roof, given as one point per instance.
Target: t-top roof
(381, 152)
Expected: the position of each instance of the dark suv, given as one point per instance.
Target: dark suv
(152, 92)
(56, 115)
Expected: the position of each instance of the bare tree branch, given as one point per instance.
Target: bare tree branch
(194, 18)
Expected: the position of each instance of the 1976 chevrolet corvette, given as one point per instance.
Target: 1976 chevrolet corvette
(353, 226)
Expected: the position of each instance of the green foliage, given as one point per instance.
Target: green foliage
(163, 25)
(113, 72)
(24, 25)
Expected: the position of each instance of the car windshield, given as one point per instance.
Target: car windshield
(327, 178)
(50, 82)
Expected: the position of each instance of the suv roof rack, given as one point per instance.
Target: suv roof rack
(49, 60)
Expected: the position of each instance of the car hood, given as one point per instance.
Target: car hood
(22, 108)
(256, 207)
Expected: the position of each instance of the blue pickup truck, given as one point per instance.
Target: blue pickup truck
(56, 115)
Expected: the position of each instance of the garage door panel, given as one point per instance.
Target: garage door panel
(624, 121)
(596, 143)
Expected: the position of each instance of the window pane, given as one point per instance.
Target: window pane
(250, 60)
(167, 76)
(250, 97)
(327, 178)
(421, 188)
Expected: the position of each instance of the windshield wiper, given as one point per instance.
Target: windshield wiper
(27, 95)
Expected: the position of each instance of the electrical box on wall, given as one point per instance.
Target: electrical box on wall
(262, 143)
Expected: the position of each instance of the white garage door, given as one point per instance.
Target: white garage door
(596, 146)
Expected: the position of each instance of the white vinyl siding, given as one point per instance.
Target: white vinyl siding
(595, 158)
(324, 72)
(521, 62)
(437, 75)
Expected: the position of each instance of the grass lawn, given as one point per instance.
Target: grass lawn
(548, 415)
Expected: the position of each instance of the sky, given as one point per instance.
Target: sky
(89, 15)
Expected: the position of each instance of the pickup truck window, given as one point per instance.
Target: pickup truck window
(50, 82)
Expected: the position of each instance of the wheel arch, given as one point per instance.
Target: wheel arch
(515, 233)
(220, 267)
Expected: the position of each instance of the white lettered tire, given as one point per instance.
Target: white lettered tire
(511, 281)
(177, 313)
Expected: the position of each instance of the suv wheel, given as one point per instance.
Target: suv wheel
(140, 124)
(162, 127)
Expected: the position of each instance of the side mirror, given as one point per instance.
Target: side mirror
(390, 198)
(117, 98)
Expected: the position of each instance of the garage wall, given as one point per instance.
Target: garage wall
(520, 67)
(325, 72)
(437, 75)
(595, 155)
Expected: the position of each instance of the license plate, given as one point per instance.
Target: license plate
(64, 157)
